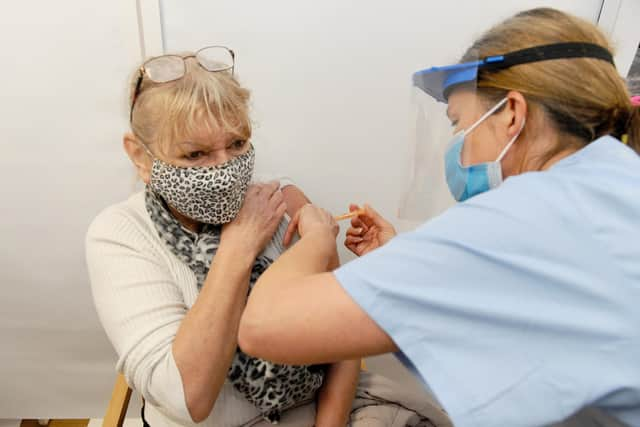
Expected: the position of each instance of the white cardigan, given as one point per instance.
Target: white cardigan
(142, 291)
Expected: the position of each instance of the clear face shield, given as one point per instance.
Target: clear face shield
(428, 193)
(446, 112)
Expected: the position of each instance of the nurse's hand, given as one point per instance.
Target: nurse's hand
(308, 218)
(256, 223)
(368, 231)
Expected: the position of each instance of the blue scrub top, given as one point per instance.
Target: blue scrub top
(521, 305)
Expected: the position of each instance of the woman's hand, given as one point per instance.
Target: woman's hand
(311, 217)
(258, 219)
(368, 231)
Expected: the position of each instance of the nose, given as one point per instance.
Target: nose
(219, 157)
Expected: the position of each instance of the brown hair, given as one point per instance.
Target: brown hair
(165, 112)
(584, 98)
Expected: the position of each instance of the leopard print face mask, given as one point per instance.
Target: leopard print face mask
(208, 194)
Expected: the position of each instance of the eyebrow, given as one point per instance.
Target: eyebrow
(192, 143)
(229, 140)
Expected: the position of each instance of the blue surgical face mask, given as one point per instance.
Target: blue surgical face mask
(467, 181)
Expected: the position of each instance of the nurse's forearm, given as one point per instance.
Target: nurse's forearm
(315, 252)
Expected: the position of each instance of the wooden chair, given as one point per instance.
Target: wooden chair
(117, 409)
(121, 395)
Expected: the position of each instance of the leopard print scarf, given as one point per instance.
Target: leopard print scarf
(270, 387)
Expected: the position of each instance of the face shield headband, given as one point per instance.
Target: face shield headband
(439, 81)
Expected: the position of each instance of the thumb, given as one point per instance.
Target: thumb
(291, 229)
(374, 215)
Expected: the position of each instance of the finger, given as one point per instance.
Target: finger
(355, 231)
(352, 247)
(253, 189)
(352, 240)
(271, 187)
(372, 213)
(265, 190)
(364, 219)
(373, 216)
(276, 199)
(280, 211)
(291, 229)
(371, 234)
(352, 208)
(357, 223)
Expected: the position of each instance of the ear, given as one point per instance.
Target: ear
(138, 155)
(517, 113)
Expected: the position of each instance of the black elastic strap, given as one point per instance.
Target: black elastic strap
(547, 52)
(144, 421)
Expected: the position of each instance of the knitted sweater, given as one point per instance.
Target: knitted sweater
(142, 291)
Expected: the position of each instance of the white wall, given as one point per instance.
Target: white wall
(63, 71)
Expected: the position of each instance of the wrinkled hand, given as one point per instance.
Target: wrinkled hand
(258, 219)
(368, 231)
(310, 217)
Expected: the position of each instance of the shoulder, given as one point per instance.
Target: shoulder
(122, 222)
(122, 247)
(294, 197)
(592, 189)
(263, 177)
(605, 163)
(594, 178)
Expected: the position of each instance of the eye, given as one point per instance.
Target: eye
(238, 144)
(195, 155)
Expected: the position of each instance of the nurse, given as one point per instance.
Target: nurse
(519, 306)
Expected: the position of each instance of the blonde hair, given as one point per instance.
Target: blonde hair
(165, 112)
(584, 98)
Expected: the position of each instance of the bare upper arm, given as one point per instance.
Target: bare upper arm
(309, 321)
(294, 198)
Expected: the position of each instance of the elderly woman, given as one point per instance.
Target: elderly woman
(171, 267)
